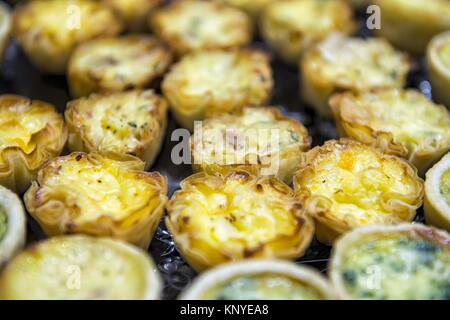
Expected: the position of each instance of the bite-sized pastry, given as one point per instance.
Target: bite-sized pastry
(132, 122)
(359, 4)
(80, 268)
(5, 28)
(411, 24)
(204, 83)
(190, 25)
(256, 139)
(345, 184)
(49, 30)
(98, 195)
(216, 219)
(292, 26)
(31, 132)
(399, 122)
(134, 13)
(117, 64)
(251, 7)
(341, 63)
(403, 262)
(260, 280)
(438, 62)
(437, 194)
(12, 224)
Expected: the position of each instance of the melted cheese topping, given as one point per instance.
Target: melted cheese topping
(3, 223)
(64, 23)
(21, 122)
(256, 131)
(414, 121)
(121, 122)
(360, 183)
(96, 188)
(262, 287)
(231, 78)
(434, 7)
(397, 267)
(201, 24)
(236, 218)
(444, 54)
(75, 268)
(358, 63)
(445, 186)
(252, 7)
(118, 63)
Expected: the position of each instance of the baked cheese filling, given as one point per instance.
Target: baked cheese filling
(397, 268)
(262, 287)
(445, 186)
(444, 54)
(359, 184)
(18, 125)
(3, 223)
(98, 188)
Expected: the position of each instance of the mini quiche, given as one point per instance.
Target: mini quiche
(437, 194)
(98, 195)
(134, 13)
(291, 26)
(5, 28)
(260, 280)
(12, 224)
(49, 30)
(359, 4)
(117, 64)
(345, 184)
(191, 25)
(80, 268)
(251, 7)
(204, 83)
(216, 219)
(411, 24)
(257, 140)
(31, 132)
(404, 262)
(438, 61)
(132, 122)
(399, 122)
(341, 63)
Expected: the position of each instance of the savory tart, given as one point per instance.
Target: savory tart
(216, 219)
(359, 4)
(258, 140)
(31, 132)
(252, 7)
(345, 184)
(117, 64)
(437, 194)
(404, 262)
(99, 196)
(260, 280)
(204, 83)
(12, 224)
(411, 24)
(49, 30)
(5, 28)
(191, 25)
(399, 122)
(291, 26)
(80, 268)
(132, 122)
(438, 62)
(134, 13)
(341, 64)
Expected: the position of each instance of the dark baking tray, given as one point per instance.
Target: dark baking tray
(18, 76)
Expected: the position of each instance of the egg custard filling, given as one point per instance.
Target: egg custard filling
(444, 54)
(215, 219)
(345, 184)
(262, 287)
(397, 266)
(93, 194)
(3, 223)
(79, 267)
(445, 186)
